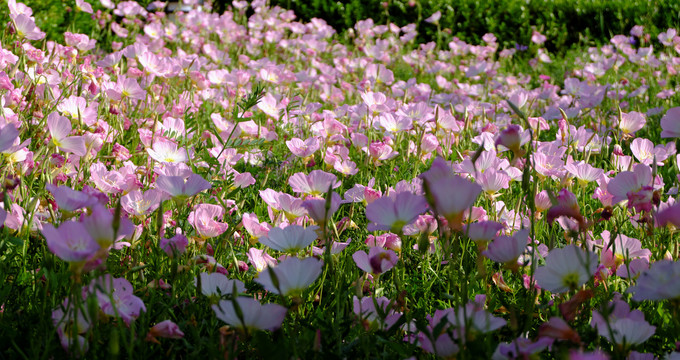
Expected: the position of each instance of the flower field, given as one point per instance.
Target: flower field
(245, 185)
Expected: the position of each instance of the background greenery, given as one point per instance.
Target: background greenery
(566, 23)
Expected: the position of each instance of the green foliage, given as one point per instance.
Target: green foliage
(564, 22)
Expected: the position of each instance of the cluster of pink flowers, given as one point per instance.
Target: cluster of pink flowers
(150, 150)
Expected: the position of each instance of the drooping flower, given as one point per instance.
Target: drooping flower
(251, 315)
(450, 194)
(164, 329)
(566, 269)
(292, 276)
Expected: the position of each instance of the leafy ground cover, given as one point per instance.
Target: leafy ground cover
(223, 186)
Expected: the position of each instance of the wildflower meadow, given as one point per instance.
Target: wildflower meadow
(191, 184)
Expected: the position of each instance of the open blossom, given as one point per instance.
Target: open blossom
(253, 315)
(26, 28)
(566, 269)
(377, 261)
(632, 122)
(202, 218)
(623, 326)
(177, 243)
(635, 187)
(166, 151)
(304, 148)
(507, 249)
(365, 309)
(315, 183)
(660, 282)
(182, 187)
(394, 212)
(216, 284)
(670, 123)
(292, 276)
(70, 242)
(292, 238)
(116, 298)
(60, 127)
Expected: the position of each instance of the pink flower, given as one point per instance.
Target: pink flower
(202, 219)
(59, 128)
(70, 200)
(8, 135)
(216, 284)
(521, 348)
(304, 148)
(584, 172)
(450, 204)
(137, 203)
(622, 326)
(394, 212)
(631, 122)
(116, 298)
(100, 225)
(377, 261)
(177, 243)
(317, 210)
(251, 315)
(660, 282)
(83, 6)
(507, 249)
(292, 238)
(70, 242)
(165, 329)
(566, 269)
(260, 259)
(633, 186)
(670, 123)
(537, 38)
(81, 42)
(512, 138)
(255, 228)
(166, 151)
(182, 187)
(291, 277)
(620, 251)
(25, 27)
(365, 310)
(483, 231)
(316, 183)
